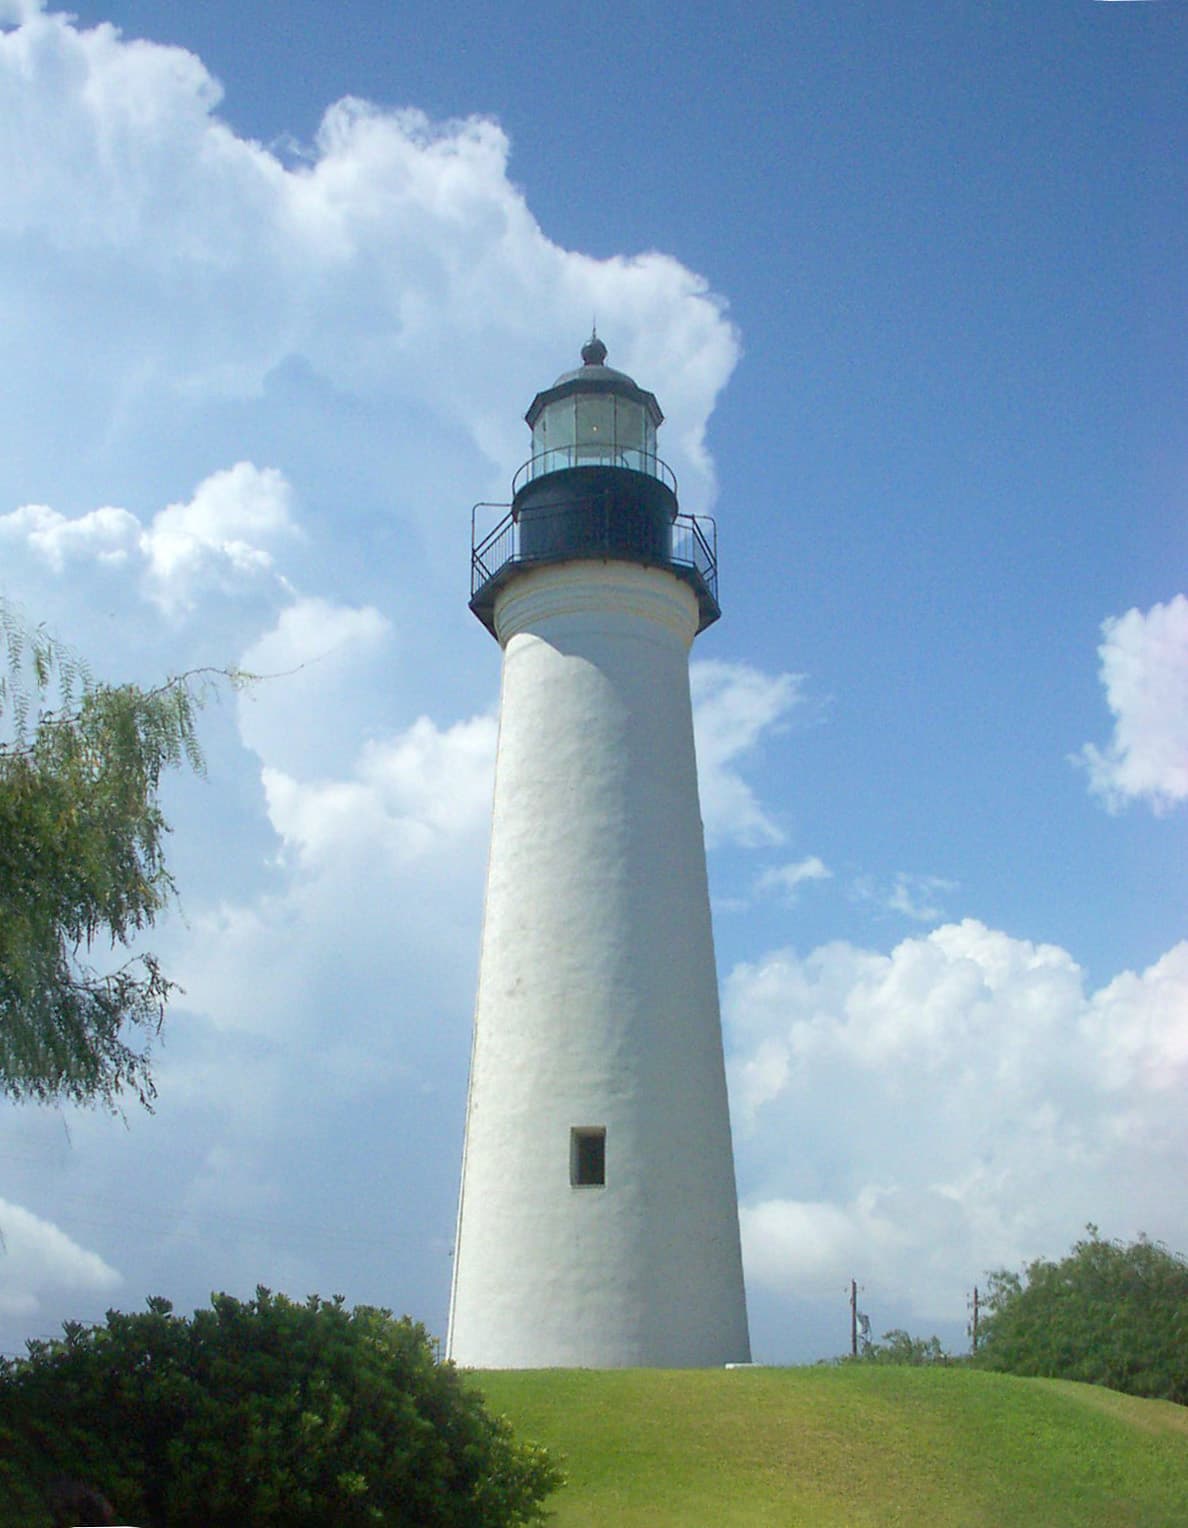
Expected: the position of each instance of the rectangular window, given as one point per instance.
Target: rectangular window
(587, 1156)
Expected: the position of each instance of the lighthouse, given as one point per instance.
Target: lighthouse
(598, 1218)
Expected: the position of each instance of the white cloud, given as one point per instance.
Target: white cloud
(38, 1258)
(392, 798)
(788, 878)
(382, 842)
(221, 535)
(1144, 668)
(735, 706)
(396, 258)
(1138, 1025)
(320, 666)
(107, 535)
(406, 797)
(217, 540)
(958, 1104)
(314, 632)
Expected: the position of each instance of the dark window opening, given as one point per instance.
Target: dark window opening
(587, 1156)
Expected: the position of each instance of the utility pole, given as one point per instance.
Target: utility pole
(853, 1318)
(974, 1325)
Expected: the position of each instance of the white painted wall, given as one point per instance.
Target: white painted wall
(597, 1000)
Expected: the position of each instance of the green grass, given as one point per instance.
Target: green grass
(848, 1446)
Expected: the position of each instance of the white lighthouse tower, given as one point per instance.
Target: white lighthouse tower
(598, 1222)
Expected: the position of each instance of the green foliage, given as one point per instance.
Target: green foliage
(82, 865)
(263, 1414)
(899, 1347)
(1108, 1314)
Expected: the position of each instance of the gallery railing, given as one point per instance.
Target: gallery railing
(590, 529)
(557, 458)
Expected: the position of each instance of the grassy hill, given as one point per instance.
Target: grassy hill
(848, 1446)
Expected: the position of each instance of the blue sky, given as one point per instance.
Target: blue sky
(910, 285)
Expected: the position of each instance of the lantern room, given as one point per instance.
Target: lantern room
(594, 416)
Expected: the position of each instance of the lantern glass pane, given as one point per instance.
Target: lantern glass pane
(595, 426)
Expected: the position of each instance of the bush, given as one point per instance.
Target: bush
(262, 1413)
(900, 1347)
(1107, 1314)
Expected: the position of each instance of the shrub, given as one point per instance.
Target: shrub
(264, 1413)
(900, 1347)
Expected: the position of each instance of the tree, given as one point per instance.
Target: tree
(1108, 1313)
(82, 864)
(263, 1413)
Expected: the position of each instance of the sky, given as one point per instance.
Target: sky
(909, 282)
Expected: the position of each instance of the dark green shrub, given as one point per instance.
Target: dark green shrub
(262, 1414)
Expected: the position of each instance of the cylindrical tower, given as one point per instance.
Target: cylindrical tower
(598, 1222)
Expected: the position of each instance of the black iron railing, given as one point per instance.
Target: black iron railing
(496, 549)
(586, 530)
(558, 458)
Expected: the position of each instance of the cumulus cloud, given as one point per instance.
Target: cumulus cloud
(1144, 668)
(406, 796)
(311, 634)
(107, 535)
(222, 533)
(386, 257)
(375, 828)
(1138, 1027)
(218, 539)
(38, 1258)
(958, 1104)
(321, 669)
(735, 706)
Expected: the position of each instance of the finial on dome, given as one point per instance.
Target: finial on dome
(593, 351)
